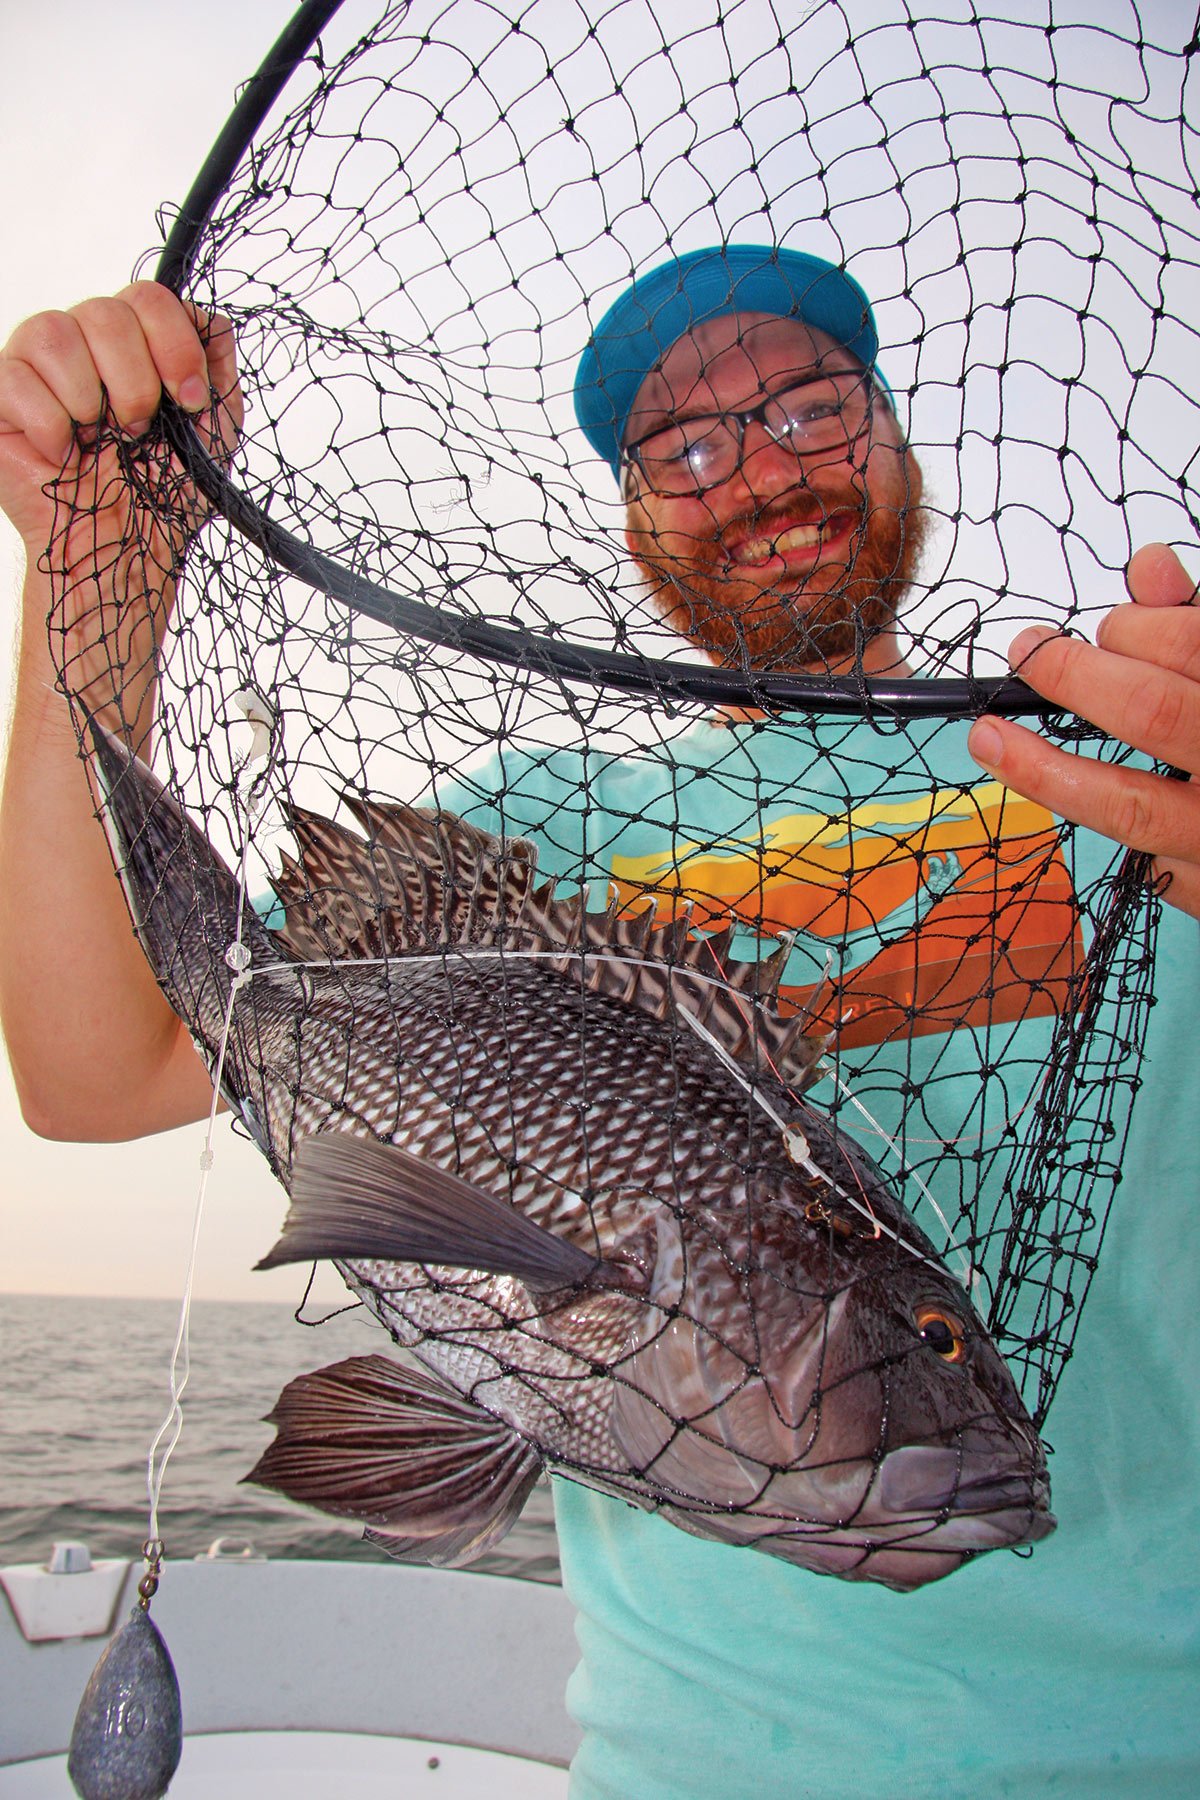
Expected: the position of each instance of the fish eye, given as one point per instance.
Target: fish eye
(945, 1335)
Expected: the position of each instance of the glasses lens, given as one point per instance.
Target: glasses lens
(689, 454)
(827, 412)
(820, 415)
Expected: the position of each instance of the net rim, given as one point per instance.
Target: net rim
(873, 697)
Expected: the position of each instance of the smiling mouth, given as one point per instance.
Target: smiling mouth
(798, 542)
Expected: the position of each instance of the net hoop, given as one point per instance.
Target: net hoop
(846, 696)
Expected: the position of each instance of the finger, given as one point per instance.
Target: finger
(1178, 883)
(1167, 636)
(169, 329)
(52, 346)
(123, 361)
(220, 349)
(1155, 813)
(1156, 577)
(1154, 709)
(34, 423)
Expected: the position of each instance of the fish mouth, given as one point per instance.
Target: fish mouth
(927, 1481)
(926, 1511)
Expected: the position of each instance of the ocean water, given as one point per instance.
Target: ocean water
(84, 1386)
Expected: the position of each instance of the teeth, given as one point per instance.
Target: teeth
(799, 537)
(796, 537)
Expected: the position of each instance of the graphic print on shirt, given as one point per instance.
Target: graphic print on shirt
(910, 917)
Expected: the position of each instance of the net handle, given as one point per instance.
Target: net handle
(848, 696)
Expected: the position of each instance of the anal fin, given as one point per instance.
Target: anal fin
(438, 1479)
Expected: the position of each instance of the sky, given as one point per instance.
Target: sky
(106, 112)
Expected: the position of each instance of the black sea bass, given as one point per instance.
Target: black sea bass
(560, 1156)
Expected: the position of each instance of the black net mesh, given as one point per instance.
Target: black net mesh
(414, 253)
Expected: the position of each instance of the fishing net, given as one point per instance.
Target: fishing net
(408, 581)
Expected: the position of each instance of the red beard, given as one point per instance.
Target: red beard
(791, 622)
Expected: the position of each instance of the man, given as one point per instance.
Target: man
(773, 508)
(709, 1671)
(725, 533)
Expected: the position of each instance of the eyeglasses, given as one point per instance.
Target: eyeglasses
(826, 412)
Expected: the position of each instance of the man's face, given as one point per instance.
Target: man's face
(791, 561)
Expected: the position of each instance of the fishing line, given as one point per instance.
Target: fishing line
(238, 958)
(792, 1131)
(799, 1151)
(180, 1365)
(968, 1277)
(127, 1737)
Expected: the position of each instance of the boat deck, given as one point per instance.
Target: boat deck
(298, 1678)
(315, 1765)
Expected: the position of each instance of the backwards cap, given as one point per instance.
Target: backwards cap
(640, 327)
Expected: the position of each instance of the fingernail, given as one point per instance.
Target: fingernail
(985, 743)
(1027, 641)
(193, 394)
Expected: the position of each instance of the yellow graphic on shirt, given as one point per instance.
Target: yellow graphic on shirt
(953, 907)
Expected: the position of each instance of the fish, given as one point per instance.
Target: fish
(567, 1157)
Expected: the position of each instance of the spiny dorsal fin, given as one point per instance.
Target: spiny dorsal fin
(422, 881)
(479, 884)
(326, 902)
(344, 897)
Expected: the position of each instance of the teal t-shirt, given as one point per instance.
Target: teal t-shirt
(713, 1673)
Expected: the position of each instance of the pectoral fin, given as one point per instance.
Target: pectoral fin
(353, 1197)
(438, 1479)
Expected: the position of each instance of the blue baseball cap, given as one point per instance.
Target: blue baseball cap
(660, 306)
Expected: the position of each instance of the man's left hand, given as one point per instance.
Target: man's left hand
(1140, 682)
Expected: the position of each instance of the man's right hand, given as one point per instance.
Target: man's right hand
(66, 380)
(62, 373)
(95, 1049)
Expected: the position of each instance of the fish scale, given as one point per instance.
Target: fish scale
(469, 1113)
(466, 1113)
(486, 1346)
(552, 1152)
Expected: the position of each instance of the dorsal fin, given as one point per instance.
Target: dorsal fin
(332, 898)
(422, 881)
